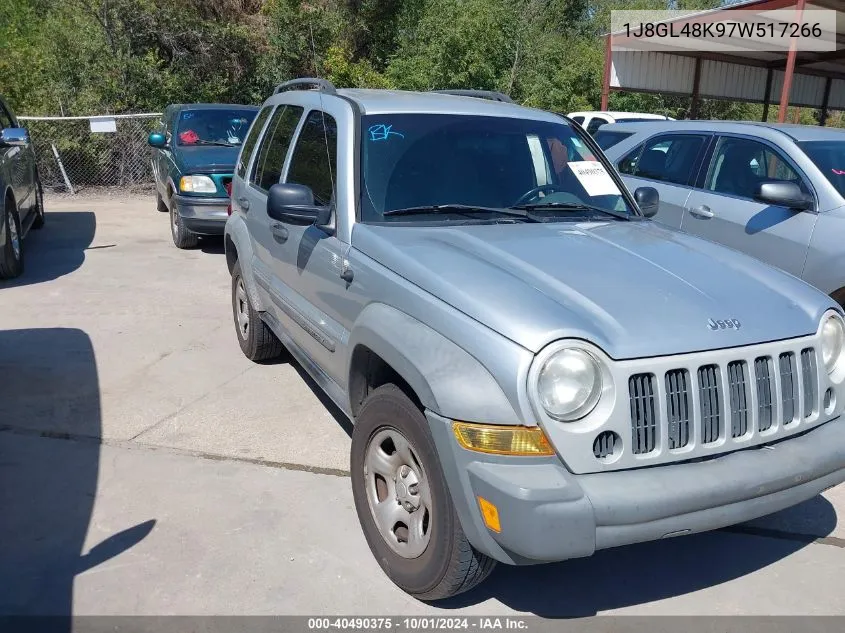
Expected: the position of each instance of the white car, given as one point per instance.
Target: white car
(592, 121)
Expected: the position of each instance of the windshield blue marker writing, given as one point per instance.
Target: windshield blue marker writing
(381, 132)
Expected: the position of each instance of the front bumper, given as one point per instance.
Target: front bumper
(548, 514)
(204, 216)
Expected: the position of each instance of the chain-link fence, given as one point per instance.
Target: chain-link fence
(83, 153)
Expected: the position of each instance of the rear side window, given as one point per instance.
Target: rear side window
(594, 125)
(670, 158)
(607, 139)
(314, 160)
(251, 139)
(267, 168)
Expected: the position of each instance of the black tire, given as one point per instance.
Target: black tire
(11, 262)
(161, 205)
(38, 222)
(258, 343)
(182, 237)
(449, 565)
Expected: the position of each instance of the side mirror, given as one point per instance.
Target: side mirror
(156, 139)
(648, 200)
(14, 137)
(294, 204)
(782, 193)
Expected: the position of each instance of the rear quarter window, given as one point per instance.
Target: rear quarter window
(607, 139)
(252, 138)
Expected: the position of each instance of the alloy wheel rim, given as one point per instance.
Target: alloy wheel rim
(242, 309)
(398, 493)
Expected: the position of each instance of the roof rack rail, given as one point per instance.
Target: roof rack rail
(323, 85)
(492, 95)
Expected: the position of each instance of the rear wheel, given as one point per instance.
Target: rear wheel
(11, 257)
(182, 237)
(257, 341)
(38, 222)
(403, 501)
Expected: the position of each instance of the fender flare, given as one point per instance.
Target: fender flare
(445, 377)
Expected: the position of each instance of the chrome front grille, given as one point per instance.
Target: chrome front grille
(734, 400)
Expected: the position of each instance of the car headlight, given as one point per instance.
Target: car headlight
(569, 384)
(833, 341)
(197, 184)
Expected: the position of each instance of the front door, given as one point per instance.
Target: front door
(725, 210)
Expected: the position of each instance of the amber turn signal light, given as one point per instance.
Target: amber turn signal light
(502, 440)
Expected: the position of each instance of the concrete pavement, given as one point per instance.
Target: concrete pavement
(148, 468)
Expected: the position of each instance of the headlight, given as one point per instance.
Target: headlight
(197, 184)
(569, 384)
(833, 340)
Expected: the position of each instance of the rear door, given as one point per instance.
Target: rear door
(306, 259)
(265, 171)
(670, 164)
(725, 210)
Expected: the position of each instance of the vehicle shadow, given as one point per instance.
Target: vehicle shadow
(212, 244)
(56, 250)
(49, 483)
(642, 573)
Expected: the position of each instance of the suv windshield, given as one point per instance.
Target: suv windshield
(829, 157)
(429, 163)
(213, 127)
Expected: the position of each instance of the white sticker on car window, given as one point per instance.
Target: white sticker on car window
(594, 178)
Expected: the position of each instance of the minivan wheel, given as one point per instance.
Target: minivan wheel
(257, 341)
(182, 237)
(11, 257)
(403, 502)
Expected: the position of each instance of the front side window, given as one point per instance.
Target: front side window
(213, 127)
(267, 167)
(418, 162)
(740, 164)
(829, 157)
(251, 139)
(670, 158)
(314, 160)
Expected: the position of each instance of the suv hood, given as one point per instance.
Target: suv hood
(635, 289)
(207, 159)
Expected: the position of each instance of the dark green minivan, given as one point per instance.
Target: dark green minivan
(194, 154)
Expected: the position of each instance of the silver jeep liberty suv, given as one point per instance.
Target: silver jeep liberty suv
(535, 370)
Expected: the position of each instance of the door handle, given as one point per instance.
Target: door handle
(279, 231)
(703, 212)
(244, 202)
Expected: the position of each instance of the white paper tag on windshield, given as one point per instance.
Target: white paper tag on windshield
(594, 178)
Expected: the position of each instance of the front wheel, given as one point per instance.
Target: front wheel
(11, 251)
(403, 502)
(182, 236)
(39, 220)
(257, 341)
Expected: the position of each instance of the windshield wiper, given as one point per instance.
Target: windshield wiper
(461, 208)
(220, 143)
(571, 206)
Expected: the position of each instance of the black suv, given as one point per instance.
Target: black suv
(22, 198)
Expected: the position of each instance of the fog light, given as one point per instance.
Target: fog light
(502, 440)
(490, 514)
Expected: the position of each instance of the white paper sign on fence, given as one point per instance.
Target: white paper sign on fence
(594, 178)
(103, 125)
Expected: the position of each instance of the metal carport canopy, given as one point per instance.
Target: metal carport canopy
(798, 77)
